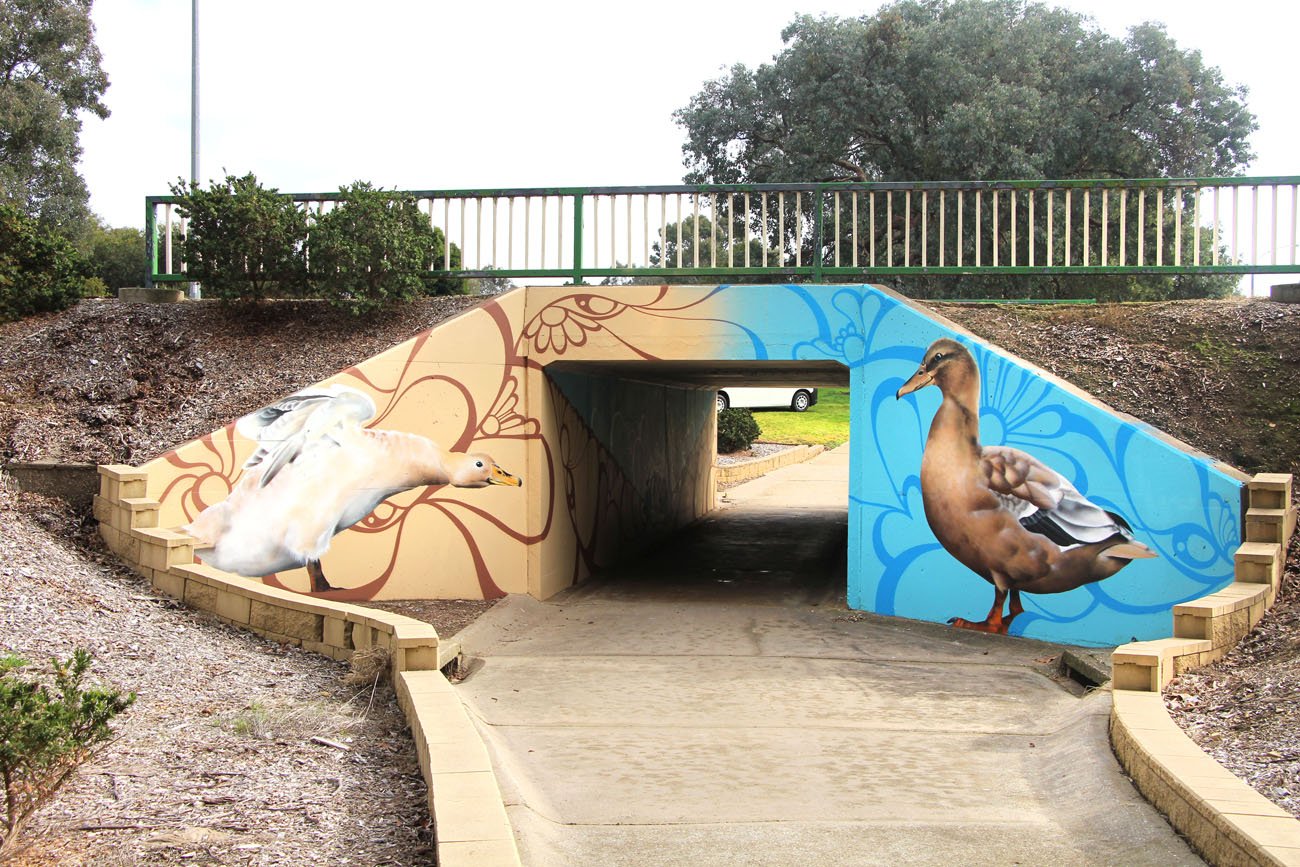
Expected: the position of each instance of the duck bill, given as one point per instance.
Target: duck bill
(919, 380)
(501, 477)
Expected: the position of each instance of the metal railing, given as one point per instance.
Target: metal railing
(838, 231)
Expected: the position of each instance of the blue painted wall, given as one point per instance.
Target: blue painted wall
(1178, 503)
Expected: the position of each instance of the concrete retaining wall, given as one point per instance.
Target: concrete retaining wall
(1227, 821)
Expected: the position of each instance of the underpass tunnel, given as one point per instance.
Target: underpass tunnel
(643, 493)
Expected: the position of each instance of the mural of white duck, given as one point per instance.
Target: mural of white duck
(316, 472)
(1007, 516)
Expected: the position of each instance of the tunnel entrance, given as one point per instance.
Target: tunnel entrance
(780, 539)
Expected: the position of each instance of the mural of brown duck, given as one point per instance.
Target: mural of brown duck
(1004, 514)
(316, 472)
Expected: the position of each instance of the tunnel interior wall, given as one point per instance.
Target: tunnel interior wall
(635, 464)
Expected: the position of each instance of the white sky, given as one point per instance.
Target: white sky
(313, 94)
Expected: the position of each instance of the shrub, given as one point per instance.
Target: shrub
(117, 256)
(375, 247)
(45, 732)
(737, 430)
(39, 271)
(246, 242)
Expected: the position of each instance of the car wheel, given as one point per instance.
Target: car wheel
(801, 401)
(723, 402)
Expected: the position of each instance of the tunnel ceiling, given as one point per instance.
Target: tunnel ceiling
(716, 374)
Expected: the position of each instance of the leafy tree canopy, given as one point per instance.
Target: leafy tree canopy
(967, 89)
(49, 74)
(929, 90)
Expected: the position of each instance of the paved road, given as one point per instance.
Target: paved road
(716, 704)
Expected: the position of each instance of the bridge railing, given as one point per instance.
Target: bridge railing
(839, 231)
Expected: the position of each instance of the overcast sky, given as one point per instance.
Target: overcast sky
(313, 94)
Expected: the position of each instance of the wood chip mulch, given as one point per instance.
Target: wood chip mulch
(215, 763)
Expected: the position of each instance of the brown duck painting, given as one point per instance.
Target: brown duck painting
(1004, 514)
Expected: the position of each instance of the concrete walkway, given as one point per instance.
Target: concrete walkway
(716, 704)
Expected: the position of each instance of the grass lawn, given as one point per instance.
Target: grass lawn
(826, 424)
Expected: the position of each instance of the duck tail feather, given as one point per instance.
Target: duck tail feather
(1130, 551)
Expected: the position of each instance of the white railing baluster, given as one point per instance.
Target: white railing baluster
(889, 228)
(695, 241)
(1069, 214)
(837, 228)
(872, 218)
(925, 227)
(167, 239)
(961, 234)
(679, 231)
(943, 214)
(979, 228)
(1013, 197)
(1215, 231)
(745, 230)
(1051, 227)
(1087, 228)
(1105, 226)
(1123, 227)
(854, 238)
(907, 230)
(996, 235)
(1029, 228)
(1272, 244)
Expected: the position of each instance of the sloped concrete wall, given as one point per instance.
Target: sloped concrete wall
(479, 382)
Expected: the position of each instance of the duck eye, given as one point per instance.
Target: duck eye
(478, 464)
(934, 360)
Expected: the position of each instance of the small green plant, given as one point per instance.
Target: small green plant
(737, 430)
(46, 730)
(246, 242)
(374, 248)
(39, 270)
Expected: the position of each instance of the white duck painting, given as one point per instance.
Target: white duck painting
(317, 471)
(1007, 516)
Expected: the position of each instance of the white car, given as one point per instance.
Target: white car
(797, 399)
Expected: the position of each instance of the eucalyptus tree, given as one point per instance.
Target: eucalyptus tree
(50, 75)
(972, 90)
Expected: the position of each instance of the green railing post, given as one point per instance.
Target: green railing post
(150, 243)
(577, 239)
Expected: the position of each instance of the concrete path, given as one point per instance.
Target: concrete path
(716, 704)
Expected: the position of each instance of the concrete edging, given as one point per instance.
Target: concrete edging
(1224, 819)
(743, 471)
(464, 800)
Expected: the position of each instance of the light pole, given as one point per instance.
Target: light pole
(195, 292)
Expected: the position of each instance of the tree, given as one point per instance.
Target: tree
(117, 256)
(49, 74)
(40, 271)
(966, 90)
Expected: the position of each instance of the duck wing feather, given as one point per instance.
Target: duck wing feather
(1045, 502)
(311, 418)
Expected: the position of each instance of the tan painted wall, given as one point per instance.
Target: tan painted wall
(630, 464)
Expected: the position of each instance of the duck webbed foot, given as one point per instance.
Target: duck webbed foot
(318, 582)
(996, 622)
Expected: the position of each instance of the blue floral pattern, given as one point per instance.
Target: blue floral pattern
(1178, 503)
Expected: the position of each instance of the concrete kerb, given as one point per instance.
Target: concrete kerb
(1225, 820)
(464, 799)
(742, 471)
